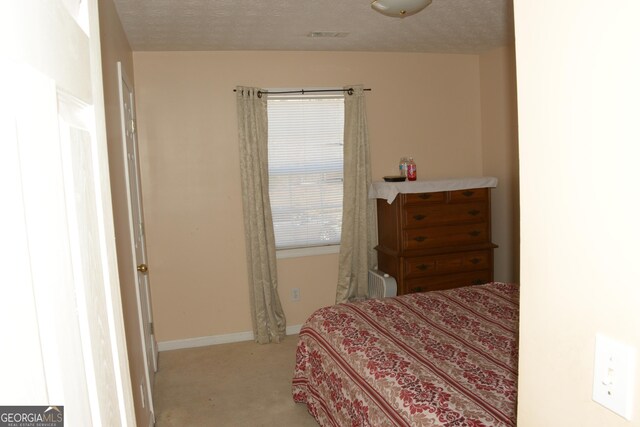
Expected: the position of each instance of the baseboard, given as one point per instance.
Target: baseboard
(215, 339)
(293, 330)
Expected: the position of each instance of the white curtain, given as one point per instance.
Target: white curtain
(266, 311)
(357, 253)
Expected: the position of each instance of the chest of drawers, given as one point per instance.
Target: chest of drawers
(436, 240)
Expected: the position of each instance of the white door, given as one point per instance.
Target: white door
(60, 305)
(127, 114)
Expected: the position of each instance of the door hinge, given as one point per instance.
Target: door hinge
(133, 126)
(151, 328)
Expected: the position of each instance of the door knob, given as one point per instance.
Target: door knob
(142, 268)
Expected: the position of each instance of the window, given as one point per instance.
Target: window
(305, 169)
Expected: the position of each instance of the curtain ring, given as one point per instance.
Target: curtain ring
(259, 94)
(350, 91)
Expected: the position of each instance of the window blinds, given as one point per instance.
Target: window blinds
(305, 169)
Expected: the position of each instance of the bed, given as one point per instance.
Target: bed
(441, 358)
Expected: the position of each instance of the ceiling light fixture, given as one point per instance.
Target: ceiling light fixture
(399, 8)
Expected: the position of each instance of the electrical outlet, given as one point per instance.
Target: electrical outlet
(613, 375)
(295, 294)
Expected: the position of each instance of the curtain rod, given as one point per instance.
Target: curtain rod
(303, 91)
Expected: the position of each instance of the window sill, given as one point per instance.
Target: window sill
(300, 252)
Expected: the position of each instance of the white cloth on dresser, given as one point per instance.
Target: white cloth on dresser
(389, 190)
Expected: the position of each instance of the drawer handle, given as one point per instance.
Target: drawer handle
(477, 282)
(474, 233)
(473, 212)
(475, 260)
(420, 239)
(422, 267)
(417, 289)
(468, 193)
(419, 217)
(425, 196)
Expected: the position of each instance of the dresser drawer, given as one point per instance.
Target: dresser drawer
(437, 237)
(474, 194)
(424, 216)
(424, 198)
(444, 264)
(448, 281)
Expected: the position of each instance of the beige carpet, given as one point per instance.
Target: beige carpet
(239, 384)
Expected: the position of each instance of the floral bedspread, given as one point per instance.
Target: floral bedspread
(443, 358)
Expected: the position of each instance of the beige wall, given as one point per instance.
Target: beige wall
(115, 47)
(578, 93)
(424, 105)
(500, 155)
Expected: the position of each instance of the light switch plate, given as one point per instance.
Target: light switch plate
(613, 375)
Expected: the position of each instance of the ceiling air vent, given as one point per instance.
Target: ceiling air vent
(327, 34)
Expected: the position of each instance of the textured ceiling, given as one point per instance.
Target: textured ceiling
(446, 26)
